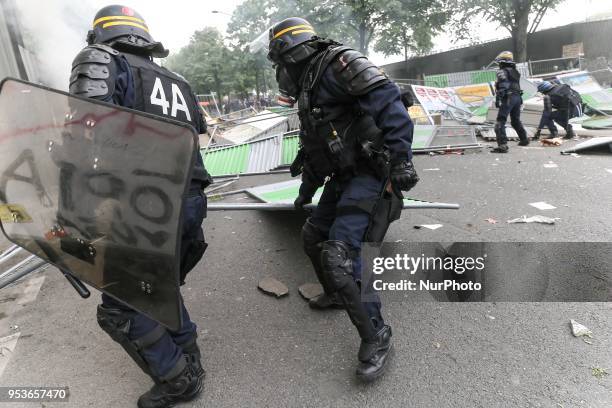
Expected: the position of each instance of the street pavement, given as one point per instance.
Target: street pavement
(260, 351)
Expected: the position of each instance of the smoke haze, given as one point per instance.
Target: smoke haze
(54, 31)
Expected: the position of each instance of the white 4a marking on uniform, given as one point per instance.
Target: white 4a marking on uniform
(158, 97)
(158, 89)
(182, 106)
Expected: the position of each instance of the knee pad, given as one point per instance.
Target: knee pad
(312, 237)
(336, 259)
(117, 322)
(499, 125)
(337, 263)
(516, 123)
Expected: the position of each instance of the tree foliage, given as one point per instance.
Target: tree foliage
(408, 27)
(213, 63)
(513, 15)
(211, 66)
(357, 23)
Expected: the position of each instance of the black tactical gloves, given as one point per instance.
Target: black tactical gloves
(403, 176)
(307, 191)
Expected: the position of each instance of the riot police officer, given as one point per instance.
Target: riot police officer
(509, 101)
(117, 67)
(567, 104)
(356, 139)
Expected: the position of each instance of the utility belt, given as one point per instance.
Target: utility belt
(509, 92)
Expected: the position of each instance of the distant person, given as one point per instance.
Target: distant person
(509, 100)
(567, 104)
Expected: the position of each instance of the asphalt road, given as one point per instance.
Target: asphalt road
(265, 352)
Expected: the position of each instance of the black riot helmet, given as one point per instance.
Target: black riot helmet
(289, 41)
(121, 24)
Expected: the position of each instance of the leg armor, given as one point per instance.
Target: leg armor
(192, 352)
(116, 323)
(500, 133)
(515, 118)
(313, 240)
(338, 267)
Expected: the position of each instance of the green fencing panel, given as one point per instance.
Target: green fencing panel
(483, 76)
(229, 160)
(290, 148)
(287, 192)
(438, 81)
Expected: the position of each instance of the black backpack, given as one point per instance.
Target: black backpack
(572, 97)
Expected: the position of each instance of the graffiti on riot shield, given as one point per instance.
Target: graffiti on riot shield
(102, 188)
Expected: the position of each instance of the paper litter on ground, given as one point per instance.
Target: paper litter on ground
(579, 330)
(541, 205)
(536, 218)
(431, 226)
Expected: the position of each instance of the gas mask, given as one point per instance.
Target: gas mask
(288, 77)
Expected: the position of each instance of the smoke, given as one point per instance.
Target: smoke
(54, 31)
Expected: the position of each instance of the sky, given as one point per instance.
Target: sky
(59, 27)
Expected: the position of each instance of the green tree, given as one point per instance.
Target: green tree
(513, 15)
(203, 61)
(408, 26)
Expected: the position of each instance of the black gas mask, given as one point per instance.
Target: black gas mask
(288, 78)
(289, 65)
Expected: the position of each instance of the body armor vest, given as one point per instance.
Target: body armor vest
(563, 97)
(335, 138)
(162, 93)
(514, 78)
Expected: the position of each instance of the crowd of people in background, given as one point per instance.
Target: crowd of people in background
(238, 104)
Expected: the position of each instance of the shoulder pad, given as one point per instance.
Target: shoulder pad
(357, 74)
(105, 48)
(93, 72)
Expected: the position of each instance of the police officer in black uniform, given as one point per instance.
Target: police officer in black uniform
(356, 139)
(508, 99)
(567, 104)
(117, 67)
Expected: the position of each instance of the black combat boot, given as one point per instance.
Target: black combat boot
(537, 134)
(166, 393)
(524, 142)
(325, 301)
(374, 355)
(502, 148)
(569, 132)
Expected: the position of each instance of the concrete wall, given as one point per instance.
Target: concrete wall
(545, 44)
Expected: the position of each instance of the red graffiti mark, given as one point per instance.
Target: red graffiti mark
(92, 120)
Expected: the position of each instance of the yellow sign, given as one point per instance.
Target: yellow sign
(473, 93)
(13, 213)
(418, 115)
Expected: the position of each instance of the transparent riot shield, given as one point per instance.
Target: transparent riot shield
(97, 191)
